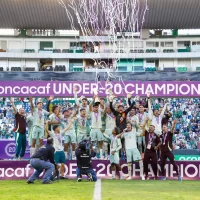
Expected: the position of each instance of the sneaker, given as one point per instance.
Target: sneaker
(63, 177)
(121, 178)
(143, 178)
(74, 158)
(47, 182)
(79, 179)
(163, 178)
(30, 182)
(146, 177)
(90, 179)
(180, 178)
(129, 178)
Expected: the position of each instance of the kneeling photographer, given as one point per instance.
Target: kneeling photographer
(43, 159)
(84, 153)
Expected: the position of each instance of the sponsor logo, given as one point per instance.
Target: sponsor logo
(10, 149)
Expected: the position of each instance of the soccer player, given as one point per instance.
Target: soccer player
(20, 129)
(55, 117)
(121, 114)
(152, 144)
(59, 155)
(166, 150)
(96, 124)
(110, 125)
(82, 126)
(133, 119)
(38, 123)
(142, 115)
(155, 116)
(84, 102)
(70, 137)
(115, 146)
(132, 153)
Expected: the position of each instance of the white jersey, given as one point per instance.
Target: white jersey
(142, 117)
(115, 142)
(81, 123)
(53, 117)
(130, 139)
(57, 140)
(96, 122)
(156, 121)
(110, 121)
(65, 122)
(39, 116)
(134, 120)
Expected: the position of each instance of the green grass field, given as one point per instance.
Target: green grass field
(111, 190)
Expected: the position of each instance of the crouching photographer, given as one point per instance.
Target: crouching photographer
(84, 164)
(43, 159)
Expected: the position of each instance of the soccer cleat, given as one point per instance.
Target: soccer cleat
(90, 179)
(47, 182)
(129, 178)
(143, 178)
(121, 178)
(163, 178)
(74, 158)
(63, 177)
(30, 182)
(180, 178)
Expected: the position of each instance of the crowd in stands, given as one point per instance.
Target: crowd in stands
(187, 110)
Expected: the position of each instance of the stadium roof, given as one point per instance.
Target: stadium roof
(48, 14)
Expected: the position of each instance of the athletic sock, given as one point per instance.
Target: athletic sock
(113, 174)
(101, 153)
(73, 154)
(129, 169)
(142, 168)
(66, 155)
(32, 151)
(120, 173)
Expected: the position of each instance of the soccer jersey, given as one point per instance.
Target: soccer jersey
(39, 116)
(115, 142)
(156, 120)
(57, 140)
(65, 122)
(96, 122)
(110, 121)
(134, 121)
(130, 139)
(53, 118)
(81, 124)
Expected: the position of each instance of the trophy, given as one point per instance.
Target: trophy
(96, 100)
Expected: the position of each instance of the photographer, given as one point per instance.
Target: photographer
(84, 155)
(43, 159)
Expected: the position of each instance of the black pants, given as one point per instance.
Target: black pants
(150, 157)
(163, 158)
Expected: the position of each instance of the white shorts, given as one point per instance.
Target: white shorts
(132, 155)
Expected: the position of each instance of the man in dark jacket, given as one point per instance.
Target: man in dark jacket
(43, 159)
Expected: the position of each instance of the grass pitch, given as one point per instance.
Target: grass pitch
(111, 190)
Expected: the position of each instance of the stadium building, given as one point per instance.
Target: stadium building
(102, 48)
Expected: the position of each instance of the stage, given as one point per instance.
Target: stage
(17, 170)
